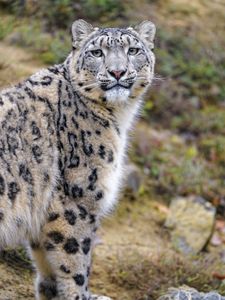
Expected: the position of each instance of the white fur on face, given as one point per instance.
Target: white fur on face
(117, 94)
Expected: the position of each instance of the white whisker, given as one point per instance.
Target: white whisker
(140, 77)
(92, 85)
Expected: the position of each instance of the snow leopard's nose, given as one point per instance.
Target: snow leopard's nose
(117, 73)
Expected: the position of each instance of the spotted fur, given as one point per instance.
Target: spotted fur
(63, 137)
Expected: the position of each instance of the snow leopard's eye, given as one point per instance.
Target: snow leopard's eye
(97, 53)
(133, 51)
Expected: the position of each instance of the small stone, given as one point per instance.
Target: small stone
(96, 297)
(191, 221)
(220, 225)
(14, 38)
(133, 178)
(216, 240)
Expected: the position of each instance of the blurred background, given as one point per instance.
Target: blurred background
(177, 159)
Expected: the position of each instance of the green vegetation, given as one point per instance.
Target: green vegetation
(49, 49)
(48, 33)
(178, 167)
(6, 26)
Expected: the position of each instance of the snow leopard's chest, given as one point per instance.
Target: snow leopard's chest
(91, 151)
(92, 144)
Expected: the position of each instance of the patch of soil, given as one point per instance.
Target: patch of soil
(15, 284)
(15, 64)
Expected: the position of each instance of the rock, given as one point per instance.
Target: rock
(133, 177)
(188, 293)
(96, 297)
(216, 240)
(195, 102)
(191, 221)
(14, 38)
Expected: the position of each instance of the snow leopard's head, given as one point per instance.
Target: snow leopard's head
(112, 64)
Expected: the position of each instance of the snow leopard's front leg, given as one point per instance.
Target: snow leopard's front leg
(45, 284)
(63, 255)
(66, 243)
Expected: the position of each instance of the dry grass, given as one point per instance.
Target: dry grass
(148, 278)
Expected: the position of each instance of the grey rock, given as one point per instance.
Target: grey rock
(212, 296)
(188, 293)
(190, 221)
(133, 178)
(14, 38)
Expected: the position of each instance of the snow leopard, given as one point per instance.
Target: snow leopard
(63, 139)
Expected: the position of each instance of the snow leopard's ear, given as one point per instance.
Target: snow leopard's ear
(80, 30)
(146, 30)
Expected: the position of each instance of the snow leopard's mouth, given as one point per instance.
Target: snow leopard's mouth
(116, 86)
